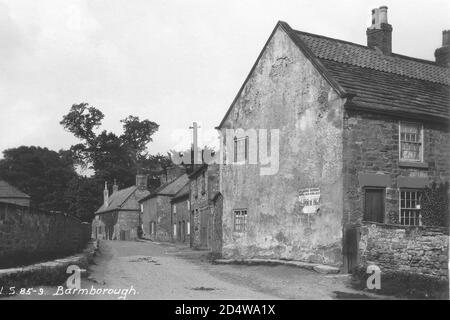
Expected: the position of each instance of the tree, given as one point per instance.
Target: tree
(83, 197)
(110, 156)
(41, 173)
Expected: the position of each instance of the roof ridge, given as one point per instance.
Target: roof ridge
(398, 55)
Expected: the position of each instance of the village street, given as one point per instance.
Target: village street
(167, 271)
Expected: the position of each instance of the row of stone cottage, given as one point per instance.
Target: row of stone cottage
(362, 131)
(183, 209)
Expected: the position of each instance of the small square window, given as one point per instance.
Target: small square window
(240, 220)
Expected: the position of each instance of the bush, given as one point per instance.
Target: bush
(435, 205)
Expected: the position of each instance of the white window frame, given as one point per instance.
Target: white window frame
(243, 217)
(188, 228)
(417, 209)
(422, 149)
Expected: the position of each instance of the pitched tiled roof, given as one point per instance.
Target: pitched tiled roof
(117, 200)
(371, 80)
(8, 191)
(170, 188)
(181, 194)
(392, 83)
(365, 57)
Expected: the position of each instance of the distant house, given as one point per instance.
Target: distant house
(181, 216)
(362, 131)
(10, 194)
(156, 207)
(206, 208)
(119, 218)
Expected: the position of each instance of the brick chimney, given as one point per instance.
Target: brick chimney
(141, 181)
(379, 34)
(115, 186)
(443, 53)
(105, 195)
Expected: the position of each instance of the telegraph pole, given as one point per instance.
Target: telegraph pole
(195, 141)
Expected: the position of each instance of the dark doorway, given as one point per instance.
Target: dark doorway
(350, 248)
(374, 205)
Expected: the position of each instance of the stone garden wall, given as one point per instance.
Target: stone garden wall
(28, 235)
(418, 250)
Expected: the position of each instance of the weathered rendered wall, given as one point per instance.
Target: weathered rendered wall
(371, 145)
(286, 92)
(418, 250)
(28, 236)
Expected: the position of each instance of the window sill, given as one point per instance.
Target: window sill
(411, 164)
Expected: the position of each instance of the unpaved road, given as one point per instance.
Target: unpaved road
(167, 271)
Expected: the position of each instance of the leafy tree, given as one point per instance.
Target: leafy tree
(111, 156)
(41, 173)
(82, 196)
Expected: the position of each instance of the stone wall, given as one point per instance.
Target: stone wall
(202, 188)
(28, 235)
(182, 219)
(157, 209)
(371, 146)
(419, 250)
(286, 92)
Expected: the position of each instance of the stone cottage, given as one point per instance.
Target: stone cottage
(181, 217)
(206, 208)
(156, 208)
(362, 131)
(10, 194)
(119, 218)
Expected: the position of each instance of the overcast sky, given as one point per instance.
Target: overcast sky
(171, 61)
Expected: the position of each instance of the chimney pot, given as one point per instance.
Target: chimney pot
(383, 14)
(106, 195)
(141, 181)
(115, 186)
(446, 38)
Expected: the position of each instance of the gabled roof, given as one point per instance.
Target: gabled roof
(8, 191)
(198, 170)
(182, 194)
(118, 199)
(169, 188)
(371, 80)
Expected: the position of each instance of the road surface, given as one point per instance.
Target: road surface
(149, 270)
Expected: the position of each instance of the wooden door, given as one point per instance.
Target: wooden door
(374, 205)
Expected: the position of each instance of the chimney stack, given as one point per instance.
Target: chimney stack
(379, 34)
(115, 186)
(141, 181)
(443, 53)
(105, 195)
